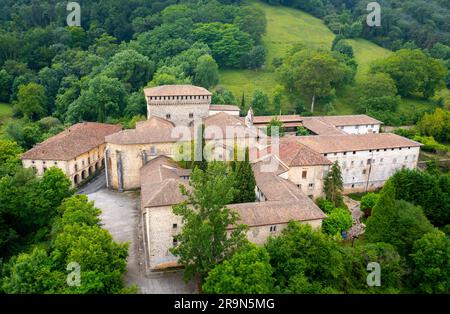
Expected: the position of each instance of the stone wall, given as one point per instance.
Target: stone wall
(161, 225)
(131, 161)
(314, 176)
(76, 169)
(179, 113)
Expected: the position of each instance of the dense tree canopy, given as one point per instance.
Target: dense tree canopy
(396, 222)
(431, 263)
(248, 271)
(413, 72)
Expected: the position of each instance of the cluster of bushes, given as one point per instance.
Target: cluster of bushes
(338, 219)
(432, 130)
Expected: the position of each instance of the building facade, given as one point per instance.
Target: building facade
(77, 151)
(278, 202)
(366, 160)
(180, 104)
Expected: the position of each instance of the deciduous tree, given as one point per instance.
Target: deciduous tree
(204, 240)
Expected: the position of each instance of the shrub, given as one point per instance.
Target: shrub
(337, 221)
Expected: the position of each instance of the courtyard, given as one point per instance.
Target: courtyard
(120, 216)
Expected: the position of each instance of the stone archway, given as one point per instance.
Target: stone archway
(76, 179)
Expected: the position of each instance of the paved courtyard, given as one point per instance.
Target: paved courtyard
(120, 215)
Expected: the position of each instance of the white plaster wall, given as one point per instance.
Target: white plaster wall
(358, 175)
(360, 129)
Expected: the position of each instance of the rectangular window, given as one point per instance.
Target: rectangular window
(273, 228)
(304, 173)
(174, 226)
(168, 116)
(311, 185)
(369, 161)
(364, 171)
(191, 115)
(174, 242)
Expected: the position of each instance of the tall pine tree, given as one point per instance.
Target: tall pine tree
(244, 179)
(334, 185)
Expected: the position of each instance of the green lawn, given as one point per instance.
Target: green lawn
(287, 26)
(5, 110)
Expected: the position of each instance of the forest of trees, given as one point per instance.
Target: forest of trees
(96, 72)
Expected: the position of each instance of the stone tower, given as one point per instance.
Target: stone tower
(181, 104)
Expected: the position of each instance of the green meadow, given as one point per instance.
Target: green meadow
(288, 26)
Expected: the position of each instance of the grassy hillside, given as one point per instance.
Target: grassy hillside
(287, 26)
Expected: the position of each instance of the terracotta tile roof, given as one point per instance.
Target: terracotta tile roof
(160, 187)
(72, 142)
(154, 130)
(319, 127)
(160, 182)
(277, 212)
(282, 118)
(294, 154)
(355, 142)
(231, 123)
(176, 90)
(349, 120)
(155, 122)
(284, 202)
(224, 107)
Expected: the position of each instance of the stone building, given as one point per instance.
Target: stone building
(129, 150)
(307, 168)
(181, 104)
(77, 151)
(278, 202)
